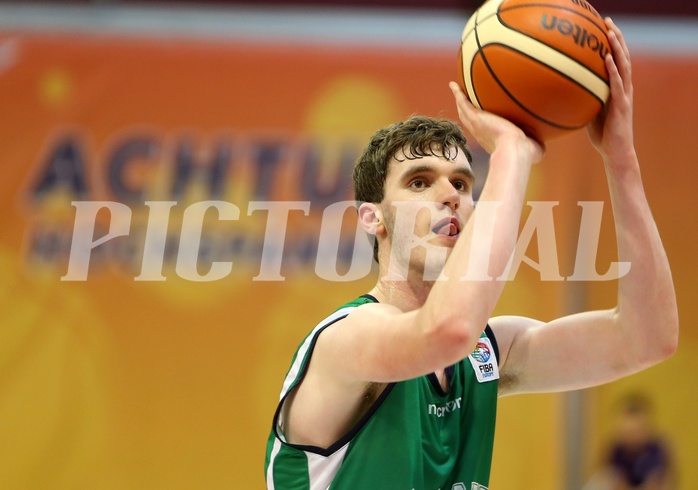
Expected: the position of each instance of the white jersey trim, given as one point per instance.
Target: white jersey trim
(323, 469)
(303, 350)
(270, 470)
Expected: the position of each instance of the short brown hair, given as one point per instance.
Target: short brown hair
(416, 137)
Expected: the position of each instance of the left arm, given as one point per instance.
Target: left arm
(594, 347)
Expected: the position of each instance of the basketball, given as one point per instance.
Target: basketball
(538, 63)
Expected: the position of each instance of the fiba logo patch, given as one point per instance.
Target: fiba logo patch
(484, 360)
(482, 352)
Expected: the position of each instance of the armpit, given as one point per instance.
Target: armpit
(507, 383)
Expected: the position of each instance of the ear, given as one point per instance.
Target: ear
(371, 218)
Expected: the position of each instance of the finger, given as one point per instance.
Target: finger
(619, 34)
(454, 88)
(462, 99)
(465, 108)
(621, 61)
(614, 78)
(620, 49)
(459, 99)
(458, 92)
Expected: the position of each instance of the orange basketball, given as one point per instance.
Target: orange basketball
(538, 63)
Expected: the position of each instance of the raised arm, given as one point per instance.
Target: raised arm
(590, 348)
(381, 343)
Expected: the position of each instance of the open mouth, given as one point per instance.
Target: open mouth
(447, 227)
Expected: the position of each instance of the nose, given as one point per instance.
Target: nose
(448, 195)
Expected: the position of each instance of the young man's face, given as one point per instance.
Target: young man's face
(427, 199)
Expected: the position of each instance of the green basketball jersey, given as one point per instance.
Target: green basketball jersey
(416, 436)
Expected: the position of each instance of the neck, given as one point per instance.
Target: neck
(407, 295)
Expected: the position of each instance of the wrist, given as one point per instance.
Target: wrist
(621, 159)
(517, 145)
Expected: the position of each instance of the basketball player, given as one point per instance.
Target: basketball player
(398, 388)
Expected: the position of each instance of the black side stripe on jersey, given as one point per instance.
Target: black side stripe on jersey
(345, 439)
(349, 436)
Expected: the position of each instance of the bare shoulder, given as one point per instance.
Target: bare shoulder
(336, 357)
(340, 346)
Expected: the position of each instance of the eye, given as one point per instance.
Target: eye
(460, 185)
(417, 184)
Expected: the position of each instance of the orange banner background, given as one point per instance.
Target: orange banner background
(116, 383)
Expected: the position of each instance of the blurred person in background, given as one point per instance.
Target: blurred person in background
(638, 457)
